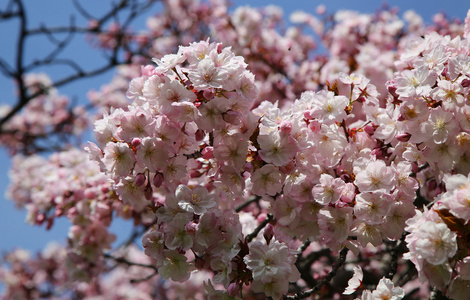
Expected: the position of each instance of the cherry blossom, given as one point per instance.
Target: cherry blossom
(254, 164)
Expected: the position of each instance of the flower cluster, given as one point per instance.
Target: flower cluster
(181, 149)
(189, 145)
(236, 195)
(438, 239)
(47, 114)
(69, 184)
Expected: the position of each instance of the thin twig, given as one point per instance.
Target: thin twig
(252, 235)
(129, 263)
(327, 279)
(246, 203)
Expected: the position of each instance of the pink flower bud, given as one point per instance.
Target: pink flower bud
(104, 188)
(136, 142)
(285, 127)
(345, 177)
(199, 135)
(307, 115)
(72, 212)
(209, 186)
(369, 129)
(140, 179)
(314, 126)
(58, 211)
(158, 180)
(392, 88)
(90, 193)
(268, 233)
(220, 47)
(233, 289)
(148, 192)
(209, 94)
(195, 174)
(379, 154)
(191, 228)
(40, 219)
(403, 137)
(148, 70)
(208, 152)
(232, 117)
(261, 217)
(466, 83)
(50, 222)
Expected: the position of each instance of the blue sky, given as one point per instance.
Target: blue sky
(13, 231)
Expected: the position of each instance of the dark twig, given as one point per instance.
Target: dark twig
(253, 199)
(301, 250)
(122, 260)
(252, 235)
(327, 279)
(395, 252)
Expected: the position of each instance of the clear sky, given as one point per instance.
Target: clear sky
(13, 231)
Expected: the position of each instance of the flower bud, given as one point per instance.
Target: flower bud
(50, 222)
(40, 219)
(261, 217)
(233, 289)
(369, 129)
(136, 142)
(199, 135)
(403, 137)
(140, 179)
(268, 233)
(208, 152)
(209, 94)
(104, 188)
(195, 174)
(148, 192)
(285, 127)
(90, 193)
(59, 211)
(378, 152)
(148, 70)
(190, 228)
(220, 47)
(158, 180)
(392, 88)
(307, 115)
(314, 126)
(232, 117)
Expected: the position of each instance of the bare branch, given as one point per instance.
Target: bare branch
(20, 54)
(327, 279)
(248, 202)
(82, 10)
(58, 83)
(252, 235)
(123, 260)
(6, 69)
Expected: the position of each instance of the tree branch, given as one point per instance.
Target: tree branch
(327, 279)
(252, 235)
(122, 260)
